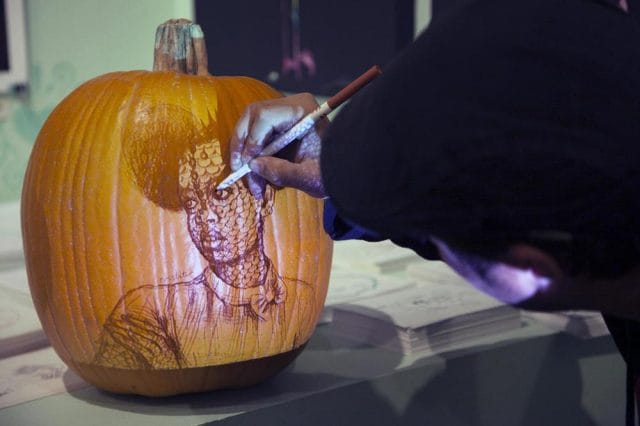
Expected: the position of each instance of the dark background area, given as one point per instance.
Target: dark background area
(344, 38)
(441, 6)
(4, 47)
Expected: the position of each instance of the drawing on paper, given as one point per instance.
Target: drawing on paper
(30, 374)
(35, 374)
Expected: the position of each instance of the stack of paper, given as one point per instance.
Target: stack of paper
(425, 317)
(583, 324)
(349, 286)
(379, 257)
(10, 235)
(20, 328)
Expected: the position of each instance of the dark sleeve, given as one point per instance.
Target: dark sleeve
(486, 125)
(340, 228)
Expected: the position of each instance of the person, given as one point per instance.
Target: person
(504, 142)
(239, 307)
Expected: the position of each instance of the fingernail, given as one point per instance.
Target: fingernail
(235, 161)
(254, 166)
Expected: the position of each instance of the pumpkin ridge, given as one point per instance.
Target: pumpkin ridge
(78, 235)
(127, 82)
(58, 208)
(34, 179)
(104, 129)
(301, 266)
(114, 204)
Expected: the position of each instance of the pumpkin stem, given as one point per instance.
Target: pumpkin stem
(180, 47)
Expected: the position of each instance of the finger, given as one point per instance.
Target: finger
(309, 147)
(238, 137)
(266, 120)
(304, 176)
(256, 185)
(251, 131)
(262, 120)
(269, 118)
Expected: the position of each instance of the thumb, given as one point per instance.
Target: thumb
(304, 176)
(276, 170)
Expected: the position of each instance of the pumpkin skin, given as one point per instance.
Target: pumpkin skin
(132, 288)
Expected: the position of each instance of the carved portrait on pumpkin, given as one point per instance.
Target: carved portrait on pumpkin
(238, 304)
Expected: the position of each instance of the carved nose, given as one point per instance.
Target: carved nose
(207, 216)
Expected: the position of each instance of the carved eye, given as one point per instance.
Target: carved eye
(190, 204)
(223, 194)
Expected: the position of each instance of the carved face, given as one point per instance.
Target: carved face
(224, 225)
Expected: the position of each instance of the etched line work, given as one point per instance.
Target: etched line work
(239, 307)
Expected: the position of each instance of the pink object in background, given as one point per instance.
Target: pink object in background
(294, 59)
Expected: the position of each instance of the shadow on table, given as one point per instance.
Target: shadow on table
(533, 382)
(529, 383)
(326, 363)
(536, 381)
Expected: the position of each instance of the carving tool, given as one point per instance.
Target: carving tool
(302, 127)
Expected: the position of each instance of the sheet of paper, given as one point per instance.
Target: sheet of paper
(383, 256)
(20, 328)
(424, 304)
(346, 286)
(15, 279)
(34, 375)
(350, 285)
(10, 234)
(434, 272)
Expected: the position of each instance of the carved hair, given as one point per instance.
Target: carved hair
(156, 139)
(203, 164)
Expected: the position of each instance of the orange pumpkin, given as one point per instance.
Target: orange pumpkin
(146, 279)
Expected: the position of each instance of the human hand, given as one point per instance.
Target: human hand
(298, 165)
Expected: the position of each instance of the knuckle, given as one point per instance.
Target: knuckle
(253, 108)
(308, 101)
(276, 180)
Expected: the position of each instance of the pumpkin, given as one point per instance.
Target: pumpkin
(146, 279)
